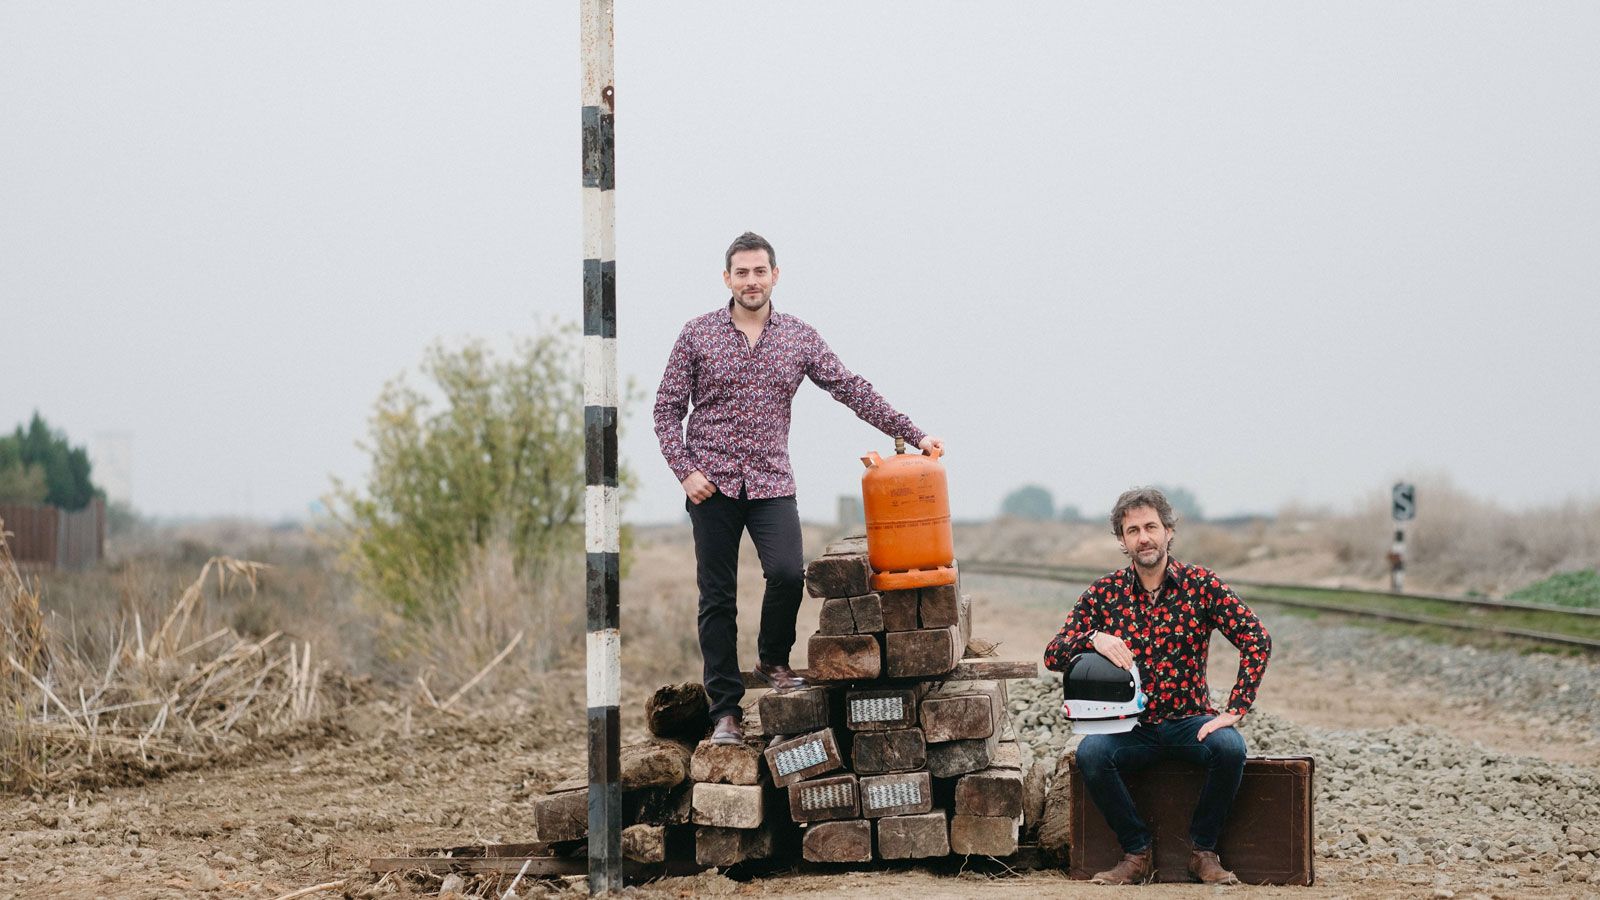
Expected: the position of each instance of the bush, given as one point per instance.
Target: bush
(1580, 588)
(497, 457)
(1029, 502)
(1183, 503)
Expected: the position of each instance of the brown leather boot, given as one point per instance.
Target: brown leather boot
(781, 677)
(1205, 867)
(729, 730)
(1135, 868)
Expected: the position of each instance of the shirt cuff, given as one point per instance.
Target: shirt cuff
(685, 467)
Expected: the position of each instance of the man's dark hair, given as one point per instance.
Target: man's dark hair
(1142, 496)
(748, 241)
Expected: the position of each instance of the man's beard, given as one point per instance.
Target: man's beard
(1157, 555)
(752, 302)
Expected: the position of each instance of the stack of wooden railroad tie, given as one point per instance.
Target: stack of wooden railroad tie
(901, 750)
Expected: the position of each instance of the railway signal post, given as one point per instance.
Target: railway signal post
(1403, 508)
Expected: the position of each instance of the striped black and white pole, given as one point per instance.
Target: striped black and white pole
(602, 513)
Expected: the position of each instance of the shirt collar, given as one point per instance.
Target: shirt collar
(774, 318)
(1174, 576)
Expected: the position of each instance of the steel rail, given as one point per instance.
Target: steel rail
(1264, 593)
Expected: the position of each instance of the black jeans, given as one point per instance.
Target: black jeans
(719, 525)
(1104, 758)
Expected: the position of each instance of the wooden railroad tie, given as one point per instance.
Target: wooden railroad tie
(881, 752)
(802, 757)
(922, 836)
(838, 842)
(831, 797)
(796, 712)
(976, 668)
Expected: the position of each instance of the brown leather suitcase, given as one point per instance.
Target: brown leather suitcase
(1268, 838)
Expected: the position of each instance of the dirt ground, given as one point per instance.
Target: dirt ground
(387, 777)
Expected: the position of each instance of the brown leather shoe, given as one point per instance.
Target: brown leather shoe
(1135, 868)
(1204, 866)
(729, 730)
(781, 677)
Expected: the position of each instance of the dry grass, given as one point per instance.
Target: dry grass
(165, 692)
(1462, 543)
(504, 629)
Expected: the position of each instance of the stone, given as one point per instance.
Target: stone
(799, 758)
(878, 710)
(991, 792)
(842, 575)
(796, 712)
(679, 712)
(844, 657)
(838, 842)
(829, 797)
(896, 795)
(657, 763)
(921, 654)
(984, 835)
(729, 805)
(740, 763)
(898, 610)
(880, 752)
(715, 846)
(923, 836)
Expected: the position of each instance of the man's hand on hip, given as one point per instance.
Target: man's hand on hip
(930, 444)
(698, 487)
(1223, 720)
(1113, 648)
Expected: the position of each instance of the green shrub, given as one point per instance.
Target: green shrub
(494, 451)
(1580, 588)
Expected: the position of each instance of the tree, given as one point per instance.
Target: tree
(1029, 502)
(1069, 513)
(42, 458)
(1183, 503)
(496, 451)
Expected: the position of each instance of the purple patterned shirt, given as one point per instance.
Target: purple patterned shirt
(738, 434)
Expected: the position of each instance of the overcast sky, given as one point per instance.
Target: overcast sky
(1267, 251)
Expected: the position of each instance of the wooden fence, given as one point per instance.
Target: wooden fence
(49, 537)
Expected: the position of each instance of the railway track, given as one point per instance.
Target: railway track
(1564, 626)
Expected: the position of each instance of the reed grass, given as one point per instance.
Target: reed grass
(162, 694)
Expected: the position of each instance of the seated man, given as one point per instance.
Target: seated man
(1158, 614)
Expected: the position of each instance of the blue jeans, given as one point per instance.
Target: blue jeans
(1105, 758)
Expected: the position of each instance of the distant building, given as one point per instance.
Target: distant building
(111, 454)
(850, 511)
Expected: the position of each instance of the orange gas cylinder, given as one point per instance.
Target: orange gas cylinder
(909, 542)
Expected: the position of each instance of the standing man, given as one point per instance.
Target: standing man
(740, 365)
(1158, 614)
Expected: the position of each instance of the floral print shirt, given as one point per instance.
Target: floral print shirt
(738, 433)
(1169, 637)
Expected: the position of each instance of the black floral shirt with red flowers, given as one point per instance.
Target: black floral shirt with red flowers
(1169, 637)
